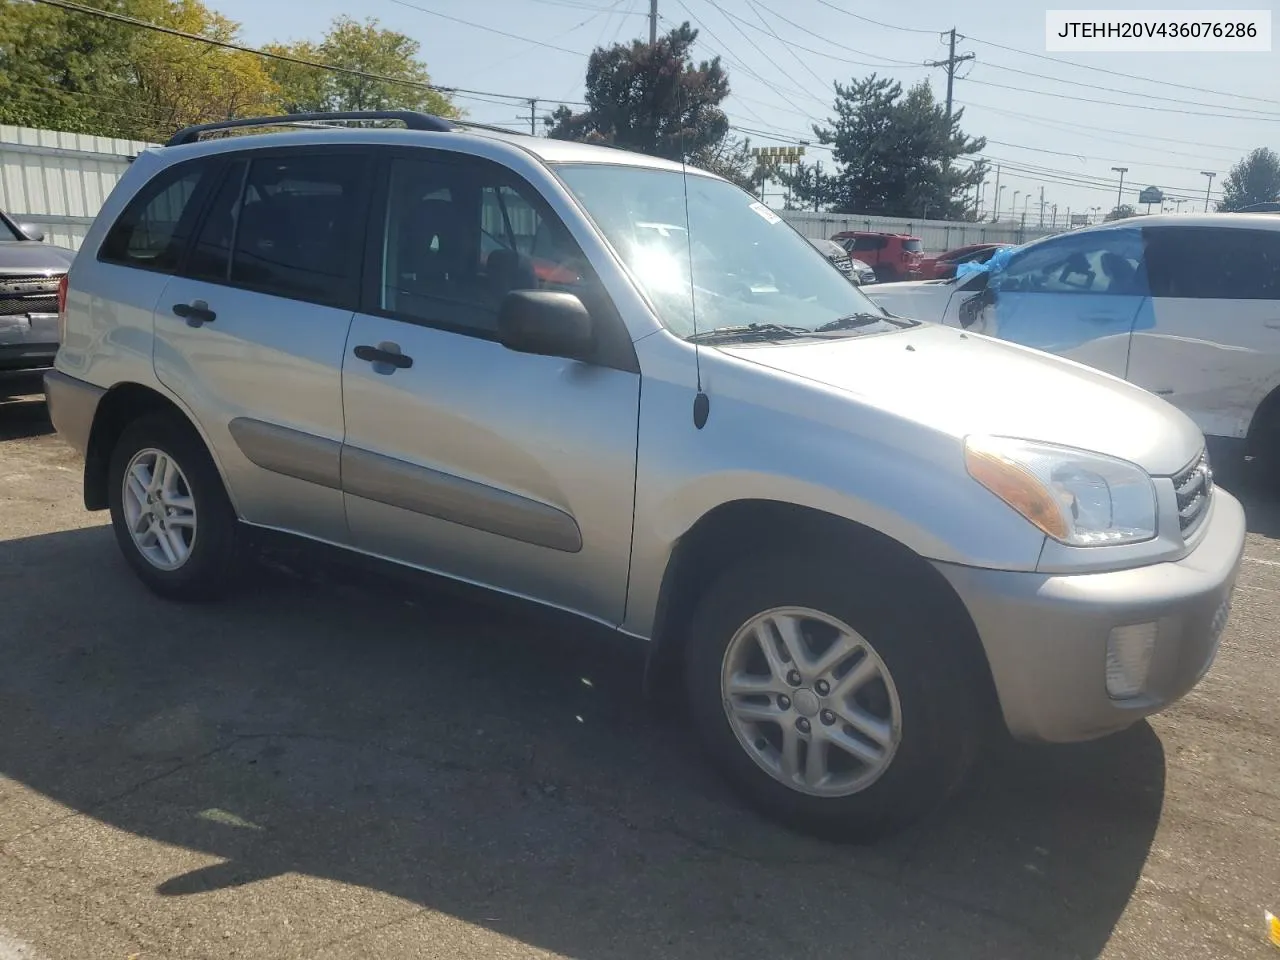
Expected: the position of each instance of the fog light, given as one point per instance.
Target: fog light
(1129, 652)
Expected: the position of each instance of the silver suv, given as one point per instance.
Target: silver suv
(611, 386)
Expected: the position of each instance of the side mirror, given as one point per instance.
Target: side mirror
(545, 322)
(32, 232)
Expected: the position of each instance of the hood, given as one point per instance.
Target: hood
(918, 299)
(961, 383)
(25, 257)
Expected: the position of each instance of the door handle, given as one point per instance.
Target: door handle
(195, 313)
(386, 353)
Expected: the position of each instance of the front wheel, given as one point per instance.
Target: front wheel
(172, 518)
(828, 696)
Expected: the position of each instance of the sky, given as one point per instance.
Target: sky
(1058, 124)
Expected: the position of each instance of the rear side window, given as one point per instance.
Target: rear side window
(289, 225)
(1214, 263)
(153, 229)
(867, 243)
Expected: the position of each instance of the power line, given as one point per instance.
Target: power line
(1117, 73)
(287, 58)
(1111, 103)
(755, 46)
(797, 59)
(888, 61)
(481, 26)
(878, 23)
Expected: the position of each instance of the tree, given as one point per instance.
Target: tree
(365, 47)
(1255, 179)
(66, 70)
(655, 100)
(895, 154)
(1121, 212)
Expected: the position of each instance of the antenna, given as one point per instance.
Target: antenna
(701, 402)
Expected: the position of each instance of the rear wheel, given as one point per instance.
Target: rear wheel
(172, 518)
(829, 696)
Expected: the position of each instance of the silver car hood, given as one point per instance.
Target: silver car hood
(963, 383)
(918, 299)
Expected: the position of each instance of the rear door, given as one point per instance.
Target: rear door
(1214, 350)
(251, 334)
(1079, 296)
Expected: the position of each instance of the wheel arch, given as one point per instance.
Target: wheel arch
(1265, 422)
(732, 529)
(121, 405)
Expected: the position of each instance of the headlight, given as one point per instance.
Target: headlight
(1082, 499)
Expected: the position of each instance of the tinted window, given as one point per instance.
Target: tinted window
(1103, 261)
(913, 246)
(459, 237)
(297, 231)
(1214, 263)
(868, 243)
(153, 229)
(210, 257)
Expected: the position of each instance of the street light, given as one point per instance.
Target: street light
(1210, 174)
(995, 210)
(1013, 207)
(1120, 193)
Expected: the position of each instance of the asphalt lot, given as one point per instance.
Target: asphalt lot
(333, 767)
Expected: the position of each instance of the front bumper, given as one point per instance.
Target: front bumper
(1045, 635)
(72, 406)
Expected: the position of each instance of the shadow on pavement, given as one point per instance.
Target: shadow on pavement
(23, 416)
(507, 773)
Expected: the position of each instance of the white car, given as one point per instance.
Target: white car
(1187, 307)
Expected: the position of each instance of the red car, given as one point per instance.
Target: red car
(893, 256)
(943, 266)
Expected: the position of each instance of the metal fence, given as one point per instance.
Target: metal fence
(936, 235)
(59, 180)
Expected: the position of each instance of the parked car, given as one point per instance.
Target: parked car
(856, 539)
(30, 272)
(943, 266)
(893, 256)
(1268, 207)
(857, 271)
(1186, 306)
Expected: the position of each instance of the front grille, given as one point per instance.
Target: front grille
(843, 264)
(28, 295)
(1194, 487)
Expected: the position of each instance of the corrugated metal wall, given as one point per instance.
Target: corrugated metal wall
(59, 180)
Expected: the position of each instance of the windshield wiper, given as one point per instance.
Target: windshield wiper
(852, 321)
(765, 331)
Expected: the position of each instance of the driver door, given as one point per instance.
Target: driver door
(1079, 296)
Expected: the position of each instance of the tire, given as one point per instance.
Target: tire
(936, 691)
(209, 569)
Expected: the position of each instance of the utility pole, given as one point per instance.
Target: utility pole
(1210, 174)
(950, 65)
(995, 212)
(817, 179)
(533, 117)
(1042, 208)
(653, 22)
(1120, 192)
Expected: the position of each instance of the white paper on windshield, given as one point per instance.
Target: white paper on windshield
(765, 212)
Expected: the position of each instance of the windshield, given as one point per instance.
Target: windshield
(9, 230)
(749, 266)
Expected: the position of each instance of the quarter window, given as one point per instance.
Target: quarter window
(153, 229)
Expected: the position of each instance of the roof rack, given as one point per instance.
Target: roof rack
(410, 118)
(472, 125)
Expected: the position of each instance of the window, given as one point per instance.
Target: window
(1214, 263)
(291, 225)
(1104, 261)
(459, 237)
(211, 256)
(153, 229)
(913, 245)
(868, 243)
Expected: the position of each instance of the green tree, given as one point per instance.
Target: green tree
(1255, 179)
(66, 70)
(895, 154)
(656, 100)
(367, 48)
